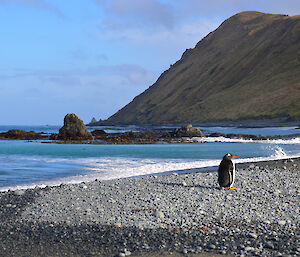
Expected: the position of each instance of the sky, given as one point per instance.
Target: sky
(92, 57)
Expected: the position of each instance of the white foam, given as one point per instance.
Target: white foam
(292, 141)
(114, 168)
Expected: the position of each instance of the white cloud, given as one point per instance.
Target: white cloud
(36, 4)
(140, 13)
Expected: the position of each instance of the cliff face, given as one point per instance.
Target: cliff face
(247, 68)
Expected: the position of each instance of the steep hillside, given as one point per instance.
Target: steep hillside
(247, 68)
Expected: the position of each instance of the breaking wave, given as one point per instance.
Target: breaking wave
(106, 168)
(291, 141)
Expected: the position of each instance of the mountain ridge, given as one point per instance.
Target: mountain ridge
(248, 68)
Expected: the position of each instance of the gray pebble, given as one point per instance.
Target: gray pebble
(159, 214)
(127, 253)
(211, 246)
(19, 192)
(252, 235)
(269, 245)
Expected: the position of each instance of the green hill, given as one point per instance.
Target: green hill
(248, 68)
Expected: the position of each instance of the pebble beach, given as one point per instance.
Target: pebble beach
(179, 214)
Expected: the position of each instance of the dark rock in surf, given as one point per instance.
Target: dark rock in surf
(217, 134)
(73, 129)
(99, 133)
(188, 131)
(22, 135)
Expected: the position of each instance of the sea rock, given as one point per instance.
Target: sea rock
(19, 192)
(188, 131)
(21, 134)
(93, 120)
(73, 129)
(217, 134)
(99, 133)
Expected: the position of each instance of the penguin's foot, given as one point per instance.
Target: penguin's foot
(232, 188)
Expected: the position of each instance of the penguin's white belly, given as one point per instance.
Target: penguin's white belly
(233, 177)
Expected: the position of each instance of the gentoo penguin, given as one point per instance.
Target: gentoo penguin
(226, 172)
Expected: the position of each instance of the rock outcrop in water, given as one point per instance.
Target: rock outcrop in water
(188, 131)
(73, 129)
(93, 120)
(21, 135)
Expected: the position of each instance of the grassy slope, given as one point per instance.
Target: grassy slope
(248, 68)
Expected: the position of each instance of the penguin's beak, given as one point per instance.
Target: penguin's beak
(234, 156)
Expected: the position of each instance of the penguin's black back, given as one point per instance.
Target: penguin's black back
(225, 167)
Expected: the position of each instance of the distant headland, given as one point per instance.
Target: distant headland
(248, 69)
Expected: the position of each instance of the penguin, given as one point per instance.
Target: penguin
(226, 172)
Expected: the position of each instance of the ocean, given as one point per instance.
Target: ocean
(27, 164)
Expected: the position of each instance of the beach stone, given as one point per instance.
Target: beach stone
(282, 222)
(211, 246)
(122, 255)
(199, 248)
(159, 214)
(251, 166)
(118, 224)
(269, 245)
(249, 249)
(127, 253)
(73, 129)
(252, 235)
(19, 192)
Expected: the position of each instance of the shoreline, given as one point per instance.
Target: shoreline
(74, 180)
(144, 136)
(185, 214)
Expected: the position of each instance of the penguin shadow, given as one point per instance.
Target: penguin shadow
(189, 186)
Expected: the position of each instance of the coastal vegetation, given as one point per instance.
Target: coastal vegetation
(248, 68)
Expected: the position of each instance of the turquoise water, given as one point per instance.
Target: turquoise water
(210, 150)
(25, 164)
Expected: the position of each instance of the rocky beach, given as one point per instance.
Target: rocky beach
(179, 214)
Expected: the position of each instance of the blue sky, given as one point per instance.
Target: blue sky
(92, 57)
